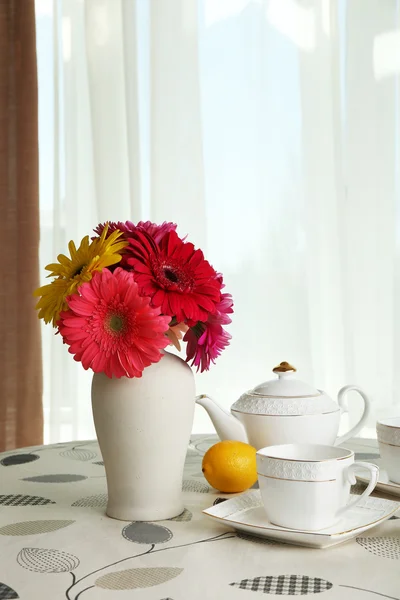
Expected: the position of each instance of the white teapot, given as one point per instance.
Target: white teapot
(284, 411)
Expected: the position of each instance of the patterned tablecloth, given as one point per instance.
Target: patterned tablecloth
(56, 541)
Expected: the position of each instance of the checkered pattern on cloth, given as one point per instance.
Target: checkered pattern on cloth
(22, 500)
(6, 593)
(285, 585)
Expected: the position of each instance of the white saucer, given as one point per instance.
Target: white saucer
(384, 484)
(246, 514)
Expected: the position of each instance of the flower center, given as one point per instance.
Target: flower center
(173, 275)
(170, 275)
(116, 323)
(78, 271)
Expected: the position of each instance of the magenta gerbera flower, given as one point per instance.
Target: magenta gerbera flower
(110, 328)
(177, 277)
(129, 229)
(206, 341)
(157, 232)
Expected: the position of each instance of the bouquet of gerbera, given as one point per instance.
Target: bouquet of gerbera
(122, 297)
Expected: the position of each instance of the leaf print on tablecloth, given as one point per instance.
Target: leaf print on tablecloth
(34, 527)
(78, 454)
(42, 560)
(184, 517)
(22, 500)
(7, 593)
(18, 459)
(141, 532)
(55, 478)
(386, 547)
(284, 585)
(99, 500)
(195, 486)
(131, 579)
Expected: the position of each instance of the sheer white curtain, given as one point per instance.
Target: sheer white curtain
(269, 130)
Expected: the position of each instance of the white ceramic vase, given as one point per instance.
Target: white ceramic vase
(143, 427)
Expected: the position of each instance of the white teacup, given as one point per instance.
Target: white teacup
(307, 486)
(388, 431)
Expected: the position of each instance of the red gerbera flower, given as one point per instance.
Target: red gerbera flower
(110, 328)
(157, 232)
(175, 276)
(206, 341)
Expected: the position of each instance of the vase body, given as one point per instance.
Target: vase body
(143, 427)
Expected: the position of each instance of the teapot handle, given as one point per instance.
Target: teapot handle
(343, 405)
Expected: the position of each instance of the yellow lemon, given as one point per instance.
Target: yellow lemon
(230, 466)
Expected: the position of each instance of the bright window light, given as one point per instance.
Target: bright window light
(386, 54)
(294, 21)
(217, 10)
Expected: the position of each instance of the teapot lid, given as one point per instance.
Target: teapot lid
(285, 386)
(284, 396)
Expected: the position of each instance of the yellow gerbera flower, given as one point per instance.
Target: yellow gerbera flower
(72, 272)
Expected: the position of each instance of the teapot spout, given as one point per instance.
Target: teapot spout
(227, 426)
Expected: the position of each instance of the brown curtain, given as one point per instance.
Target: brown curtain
(21, 414)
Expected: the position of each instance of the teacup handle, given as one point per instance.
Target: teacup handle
(342, 403)
(374, 474)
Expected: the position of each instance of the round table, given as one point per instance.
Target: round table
(56, 541)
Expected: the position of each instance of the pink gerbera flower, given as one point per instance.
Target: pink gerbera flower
(206, 341)
(175, 276)
(110, 328)
(157, 232)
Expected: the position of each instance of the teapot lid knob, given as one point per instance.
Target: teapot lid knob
(284, 367)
